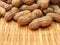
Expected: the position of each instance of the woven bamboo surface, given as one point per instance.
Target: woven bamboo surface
(12, 34)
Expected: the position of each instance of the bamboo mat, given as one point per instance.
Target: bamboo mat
(12, 34)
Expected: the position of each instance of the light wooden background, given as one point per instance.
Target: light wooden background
(12, 34)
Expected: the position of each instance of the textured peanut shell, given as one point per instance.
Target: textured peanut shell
(9, 1)
(8, 7)
(55, 16)
(2, 11)
(5, 5)
(44, 21)
(29, 7)
(22, 13)
(10, 14)
(28, 2)
(16, 3)
(43, 3)
(48, 10)
(56, 8)
(24, 20)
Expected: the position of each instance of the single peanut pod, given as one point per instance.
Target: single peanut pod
(24, 7)
(10, 14)
(44, 22)
(5, 5)
(22, 13)
(29, 7)
(48, 10)
(2, 11)
(43, 3)
(8, 7)
(24, 20)
(56, 8)
(28, 2)
(55, 16)
(58, 11)
(16, 3)
(9, 1)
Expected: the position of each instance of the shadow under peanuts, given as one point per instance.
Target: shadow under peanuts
(24, 26)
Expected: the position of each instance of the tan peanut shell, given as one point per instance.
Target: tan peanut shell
(2, 11)
(5, 5)
(9, 1)
(56, 8)
(29, 7)
(22, 13)
(55, 16)
(44, 21)
(10, 14)
(48, 10)
(16, 3)
(28, 1)
(43, 3)
(24, 20)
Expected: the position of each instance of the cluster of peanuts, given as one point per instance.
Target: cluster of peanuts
(34, 13)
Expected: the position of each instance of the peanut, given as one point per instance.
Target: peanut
(5, 5)
(29, 7)
(24, 20)
(56, 8)
(22, 13)
(48, 10)
(28, 1)
(40, 22)
(16, 3)
(9, 1)
(43, 3)
(2, 11)
(10, 14)
(55, 16)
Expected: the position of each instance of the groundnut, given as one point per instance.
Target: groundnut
(28, 1)
(22, 13)
(48, 10)
(2, 11)
(10, 14)
(29, 7)
(16, 3)
(55, 16)
(5, 5)
(43, 3)
(44, 21)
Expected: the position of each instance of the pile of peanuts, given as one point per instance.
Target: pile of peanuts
(34, 13)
